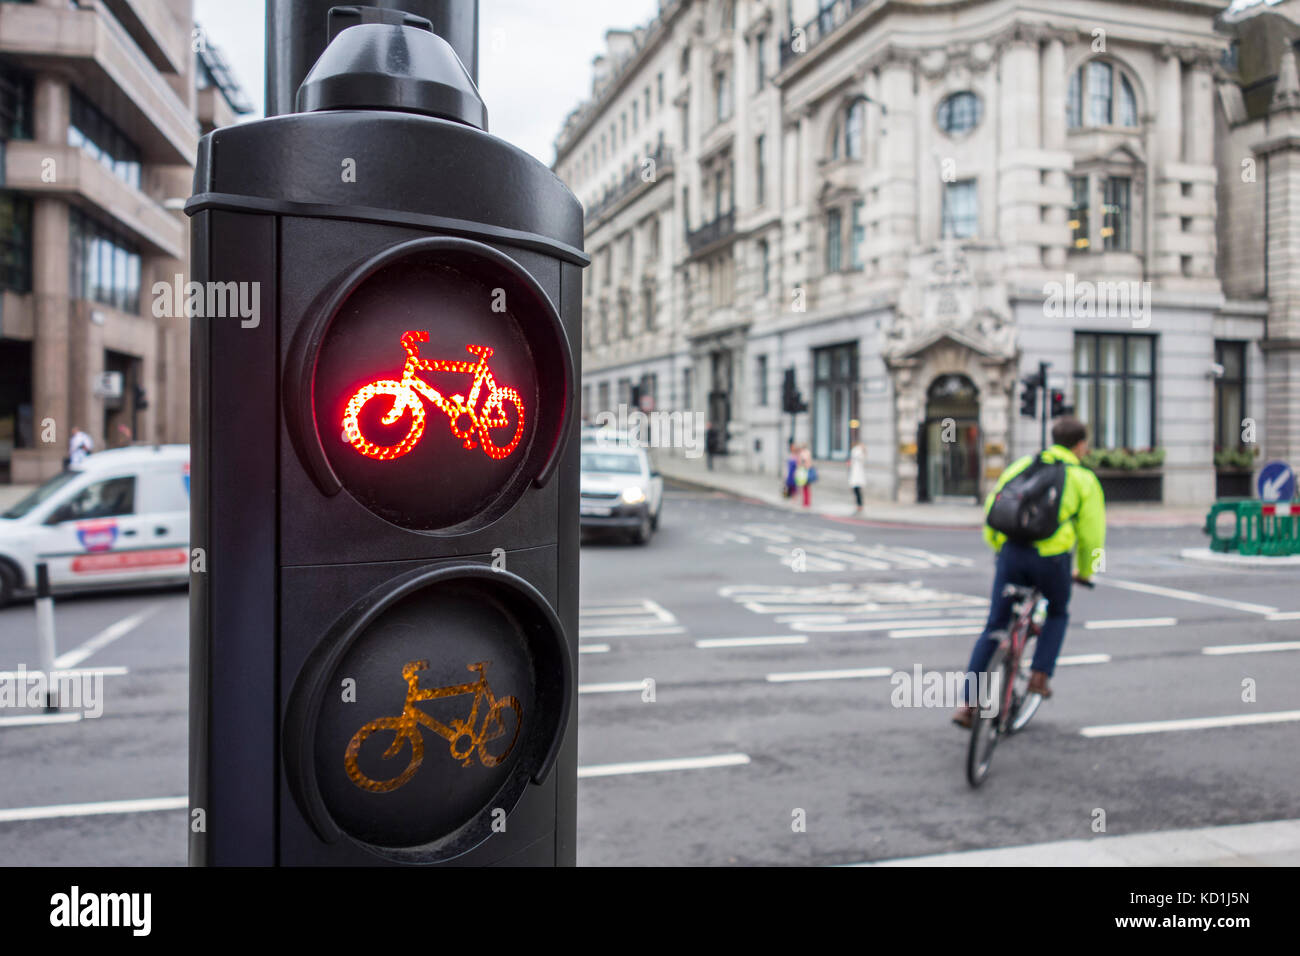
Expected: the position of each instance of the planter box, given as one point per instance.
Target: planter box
(1138, 484)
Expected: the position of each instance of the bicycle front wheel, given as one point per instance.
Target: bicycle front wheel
(402, 734)
(505, 405)
(1024, 704)
(496, 727)
(986, 728)
(403, 402)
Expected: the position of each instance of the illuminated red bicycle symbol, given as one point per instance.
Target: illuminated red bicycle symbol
(469, 420)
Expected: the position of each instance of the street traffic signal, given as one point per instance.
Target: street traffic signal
(792, 402)
(1029, 397)
(384, 475)
(1058, 407)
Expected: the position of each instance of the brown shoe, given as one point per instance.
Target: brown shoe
(963, 716)
(1038, 684)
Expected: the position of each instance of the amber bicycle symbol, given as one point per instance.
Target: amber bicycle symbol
(471, 420)
(462, 739)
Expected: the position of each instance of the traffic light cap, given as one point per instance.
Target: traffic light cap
(387, 66)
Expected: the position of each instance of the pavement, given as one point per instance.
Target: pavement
(832, 498)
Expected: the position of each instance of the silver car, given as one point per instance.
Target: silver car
(620, 491)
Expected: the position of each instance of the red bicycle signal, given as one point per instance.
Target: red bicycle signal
(471, 420)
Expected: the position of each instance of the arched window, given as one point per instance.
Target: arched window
(1100, 94)
(849, 133)
(960, 113)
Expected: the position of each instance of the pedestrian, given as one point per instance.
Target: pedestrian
(791, 465)
(805, 475)
(79, 446)
(858, 472)
(710, 444)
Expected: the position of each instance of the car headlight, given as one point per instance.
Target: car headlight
(633, 496)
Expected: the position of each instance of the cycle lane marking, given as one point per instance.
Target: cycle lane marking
(661, 766)
(720, 642)
(30, 720)
(1130, 622)
(146, 805)
(1187, 596)
(842, 674)
(105, 637)
(1218, 650)
(1188, 723)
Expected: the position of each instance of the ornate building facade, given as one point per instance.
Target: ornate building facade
(913, 204)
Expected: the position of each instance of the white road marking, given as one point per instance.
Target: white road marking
(1191, 723)
(94, 809)
(593, 648)
(830, 675)
(1188, 596)
(938, 631)
(32, 719)
(1285, 616)
(751, 641)
(629, 631)
(71, 672)
(1130, 622)
(616, 687)
(1083, 659)
(1220, 649)
(661, 766)
(105, 637)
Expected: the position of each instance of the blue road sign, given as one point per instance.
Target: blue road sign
(1276, 482)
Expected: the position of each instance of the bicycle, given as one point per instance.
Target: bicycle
(407, 728)
(468, 421)
(1008, 674)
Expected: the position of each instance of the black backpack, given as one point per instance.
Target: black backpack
(1028, 508)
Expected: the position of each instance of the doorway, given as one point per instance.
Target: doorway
(948, 449)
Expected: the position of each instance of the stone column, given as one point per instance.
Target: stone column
(1054, 89)
(898, 162)
(1019, 174)
(1164, 260)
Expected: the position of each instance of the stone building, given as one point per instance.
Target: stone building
(913, 204)
(101, 108)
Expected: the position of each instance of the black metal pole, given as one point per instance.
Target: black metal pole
(296, 35)
(1045, 400)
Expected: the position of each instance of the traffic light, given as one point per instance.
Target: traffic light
(1058, 407)
(1029, 397)
(385, 477)
(792, 402)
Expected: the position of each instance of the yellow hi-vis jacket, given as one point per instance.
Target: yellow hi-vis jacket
(1083, 512)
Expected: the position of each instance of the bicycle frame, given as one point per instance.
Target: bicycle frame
(407, 393)
(458, 728)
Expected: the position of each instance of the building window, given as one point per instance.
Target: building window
(835, 395)
(1114, 388)
(760, 61)
(760, 380)
(858, 233)
(103, 266)
(960, 210)
(636, 114)
(15, 242)
(765, 266)
(848, 137)
(722, 90)
(91, 131)
(960, 113)
(688, 399)
(659, 85)
(760, 170)
(1079, 212)
(1115, 214)
(1095, 89)
(15, 106)
(1229, 395)
(833, 228)
(602, 396)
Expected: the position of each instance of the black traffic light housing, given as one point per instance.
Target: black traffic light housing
(1029, 396)
(1058, 406)
(383, 638)
(792, 401)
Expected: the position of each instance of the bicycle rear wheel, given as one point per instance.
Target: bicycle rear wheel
(986, 728)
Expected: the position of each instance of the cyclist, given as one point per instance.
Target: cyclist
(1044, 564)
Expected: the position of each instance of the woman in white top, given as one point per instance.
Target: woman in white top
(858, 471)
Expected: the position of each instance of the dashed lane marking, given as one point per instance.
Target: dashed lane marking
(1191, 723)
(663, 766)
(1222, 649)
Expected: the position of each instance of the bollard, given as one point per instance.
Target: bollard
(45, 635)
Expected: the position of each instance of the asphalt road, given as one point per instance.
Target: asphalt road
(785, 750)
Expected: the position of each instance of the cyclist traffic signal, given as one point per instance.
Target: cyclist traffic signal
(1058, 407)
(384, 474)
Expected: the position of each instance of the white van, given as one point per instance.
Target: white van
(121, 518)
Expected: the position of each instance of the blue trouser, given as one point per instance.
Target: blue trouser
(1022, 564)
